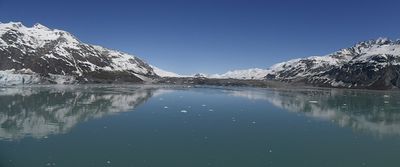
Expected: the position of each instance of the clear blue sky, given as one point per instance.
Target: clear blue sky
(213, 36)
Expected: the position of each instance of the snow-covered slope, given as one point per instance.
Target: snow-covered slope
(163, 73)
(254, 73)
(371, 64)
(50, 54)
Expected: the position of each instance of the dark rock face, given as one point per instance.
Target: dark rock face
(46, 52)
(373, 64)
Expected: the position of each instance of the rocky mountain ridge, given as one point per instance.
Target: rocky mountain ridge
(37, 54)
(373, 64)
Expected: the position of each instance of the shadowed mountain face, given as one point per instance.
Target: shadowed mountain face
(377, 113)
(41, 111)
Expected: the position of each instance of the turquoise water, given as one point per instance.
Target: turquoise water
(104, 125)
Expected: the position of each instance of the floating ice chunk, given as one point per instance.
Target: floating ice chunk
(386, 102)
(51, 164)
(203, 105)
(210, 110)
(254, 122)
(270, 151)
(165, 107)
(184, 111)
(108, 162)
(386, 96)
(312, 101)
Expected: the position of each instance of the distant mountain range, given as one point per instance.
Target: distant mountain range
(373, 64)
(253, 73)
(36, 55)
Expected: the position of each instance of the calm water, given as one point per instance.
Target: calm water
(164, 126)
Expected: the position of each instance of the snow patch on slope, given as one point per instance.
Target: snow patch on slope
(121, 61)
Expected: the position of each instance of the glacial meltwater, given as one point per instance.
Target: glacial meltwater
(156, 126)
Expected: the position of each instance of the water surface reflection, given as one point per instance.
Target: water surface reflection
(372, 112)
(44, 110)
(41, 111)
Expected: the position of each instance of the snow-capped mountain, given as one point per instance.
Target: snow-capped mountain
(39, 54)
(373, 64)
(254, 73)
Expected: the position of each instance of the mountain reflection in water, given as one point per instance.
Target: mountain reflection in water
(372, 112)
(44, 110)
